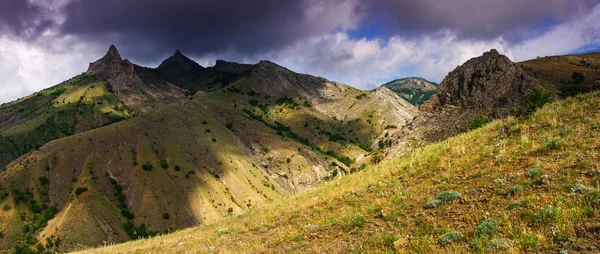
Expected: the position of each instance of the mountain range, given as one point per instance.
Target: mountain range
(124, 152)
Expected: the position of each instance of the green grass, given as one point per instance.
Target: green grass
(389, 197)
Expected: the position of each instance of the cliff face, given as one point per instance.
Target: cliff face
(138, 87)
(489, 86)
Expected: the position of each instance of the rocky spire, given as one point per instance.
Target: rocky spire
(113, 53)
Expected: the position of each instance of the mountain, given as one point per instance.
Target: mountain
(413, 89)
(257, 133)
(487, 87)
(513, 186)
(138, 87)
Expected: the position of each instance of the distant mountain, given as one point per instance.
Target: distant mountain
(200, 144)
(413, 89)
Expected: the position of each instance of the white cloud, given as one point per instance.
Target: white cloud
(563, 38)
(29, 67)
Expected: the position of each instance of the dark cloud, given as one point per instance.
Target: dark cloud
(23, 18)
(149, 27)
(474, 19)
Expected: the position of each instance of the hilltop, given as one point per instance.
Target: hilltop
(413, 89)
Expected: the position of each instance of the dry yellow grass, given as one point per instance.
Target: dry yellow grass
(382, 208)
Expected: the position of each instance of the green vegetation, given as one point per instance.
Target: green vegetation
(147, 166)
(164, 164)
(80, 190)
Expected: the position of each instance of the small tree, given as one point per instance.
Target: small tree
(164, 163)
(147, 166)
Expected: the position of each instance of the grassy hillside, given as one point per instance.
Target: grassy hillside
(192, 162)
(82, 103)
(517, 185)
(570, 74)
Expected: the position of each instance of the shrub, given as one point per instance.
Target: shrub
(515, 189)
(43, 180)
(166, 216)
(433, 203)
(534, 173)
(230, 210)
(360, 96)
(164, 163)
(288, 160)
(578, 77)
(536, 98)
(488, 227)
(147, 166)
(356, 220)
(451, 237)
(214, 140)
(449, 196)
(6, 207)
(477, 122)
(229, 125)
(35, 208)
(177, 168)
(552, 143)
(500, 244)
(346, 160)
(128, 214)
(80, 190)
(546, 215)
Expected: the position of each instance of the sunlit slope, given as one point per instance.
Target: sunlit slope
(569, 74)
(522, 186)
(82, 103)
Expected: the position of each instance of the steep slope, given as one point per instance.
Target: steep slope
(413, 89)
(569, 74)
(485, 87)
(270, 133)
(82, 103)
(524, 186)
(138, 87)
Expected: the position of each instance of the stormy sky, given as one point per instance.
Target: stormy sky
(359, 42)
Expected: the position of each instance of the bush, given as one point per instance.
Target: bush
(43, 180)
(229, 125)
(515, 189)
(500, 244)
(164, 164)
(128, 214)
(433, 203)
(451, 237)
(177, 168)
(477, 122)
(534, 173)
(6, 207)
(488, 227)
(449, 196)
(346, 160)
(356, 220)
(536, 98)
(214, 140)
(578, 77)
(147, 166)
(166, 216)
(80, 190)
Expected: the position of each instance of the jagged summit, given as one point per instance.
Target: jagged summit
(113, 53)
(232, 67)
(488, 85)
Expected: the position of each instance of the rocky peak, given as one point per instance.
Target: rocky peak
(488, 85)
(179, 60)
(232, 67)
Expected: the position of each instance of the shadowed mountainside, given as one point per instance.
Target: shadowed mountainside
(268, 133)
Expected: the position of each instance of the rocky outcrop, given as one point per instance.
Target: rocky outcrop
(231, 67)
(138, 87)
(179, 69)
(489, 85)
